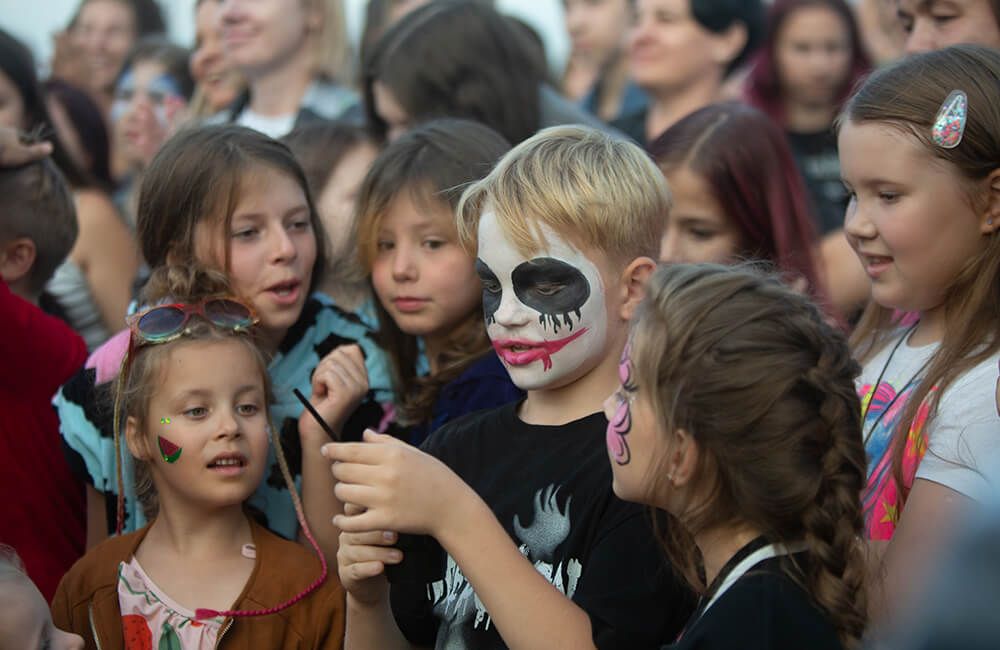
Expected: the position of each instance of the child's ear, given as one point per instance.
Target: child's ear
(633, 285)
(684, 455)
(138, 446)
(991, 216)
(727, 45)
(16, 259)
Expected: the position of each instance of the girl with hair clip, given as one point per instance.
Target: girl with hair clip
(736, 202)
(232, 199)
(429, 295)
(919, 148)
(294, 56)
(193, 396)
(763, 496)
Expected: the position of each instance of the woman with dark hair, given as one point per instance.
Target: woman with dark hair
(104, 260)
(812, 59)
(681, 51)
(81, 128)
(737, 195)
(91, 51)
(461, 59)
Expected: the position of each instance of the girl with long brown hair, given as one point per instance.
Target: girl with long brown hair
(737, 415)
(919, 147)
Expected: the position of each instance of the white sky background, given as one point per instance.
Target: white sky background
(34, 22)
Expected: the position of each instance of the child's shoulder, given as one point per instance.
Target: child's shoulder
(98, 568)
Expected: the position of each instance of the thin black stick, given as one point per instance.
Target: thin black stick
(309, 407)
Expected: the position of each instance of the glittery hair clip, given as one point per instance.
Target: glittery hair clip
(949, 125)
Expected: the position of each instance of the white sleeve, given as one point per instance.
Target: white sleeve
(964, 437)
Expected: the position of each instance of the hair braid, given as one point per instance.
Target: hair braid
(833, 521)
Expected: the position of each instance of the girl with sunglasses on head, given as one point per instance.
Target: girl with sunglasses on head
(192, 400)
(232, 199)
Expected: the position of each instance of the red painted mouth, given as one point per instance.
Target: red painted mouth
(520, 352)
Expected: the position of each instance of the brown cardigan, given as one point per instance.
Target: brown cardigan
(87, 599)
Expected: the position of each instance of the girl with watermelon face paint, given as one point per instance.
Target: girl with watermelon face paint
(193, 399)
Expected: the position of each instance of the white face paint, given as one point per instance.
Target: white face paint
(546, 314)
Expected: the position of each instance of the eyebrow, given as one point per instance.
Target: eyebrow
(263, 215)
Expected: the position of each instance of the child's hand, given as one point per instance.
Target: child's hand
(399, 487)
(361, 561)
(339, 383)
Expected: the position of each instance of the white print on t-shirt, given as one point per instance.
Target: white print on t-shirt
(454, 601)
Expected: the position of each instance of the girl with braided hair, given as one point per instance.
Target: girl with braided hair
(737, 415)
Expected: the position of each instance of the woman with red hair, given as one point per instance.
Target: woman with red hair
(806, 69)
(736, 195)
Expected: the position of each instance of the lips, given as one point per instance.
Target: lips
(521, 352)
(228, 463)
(285, 293)
(409, 304)
(875, 265)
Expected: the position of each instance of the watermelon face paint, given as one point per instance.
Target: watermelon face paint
(168, 450)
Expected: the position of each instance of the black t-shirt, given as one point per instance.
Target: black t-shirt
(763, 610)
(816, 157)
(550, 488)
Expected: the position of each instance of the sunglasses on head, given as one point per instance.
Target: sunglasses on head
(164, 323)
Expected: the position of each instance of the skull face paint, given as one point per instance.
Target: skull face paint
(620, 425)
(549, 308)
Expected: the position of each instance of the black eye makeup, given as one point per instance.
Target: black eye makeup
(553, 288)
(491, 290)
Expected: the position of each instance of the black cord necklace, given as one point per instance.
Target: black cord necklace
(878, 382)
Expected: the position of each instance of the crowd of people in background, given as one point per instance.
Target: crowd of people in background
(694, 343)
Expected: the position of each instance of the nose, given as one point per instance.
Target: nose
(670, 246)
(229, 426)
(921, 38)
(230, 11)
(284, 249)
(856, 222)
(404, 264)
(512, 313)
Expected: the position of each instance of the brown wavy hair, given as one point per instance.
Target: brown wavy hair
(142, 366)
(434, 163)
(785, 455)
(907, 96)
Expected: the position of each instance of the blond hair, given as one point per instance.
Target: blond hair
(598, 191)
(331, 50)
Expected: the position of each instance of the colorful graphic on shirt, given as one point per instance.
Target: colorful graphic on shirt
(168, 450)
(621, 424)
(456, 604)
(883, 410)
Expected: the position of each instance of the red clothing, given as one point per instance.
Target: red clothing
(42, 508)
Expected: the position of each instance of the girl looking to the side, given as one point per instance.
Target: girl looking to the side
(764, 495)
(919, 148)
(736, 202)
(429, 295)
(232, 199)
(193, 395)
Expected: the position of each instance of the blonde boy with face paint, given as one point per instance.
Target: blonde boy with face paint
(530, 546)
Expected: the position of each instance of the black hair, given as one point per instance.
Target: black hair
(719, 15)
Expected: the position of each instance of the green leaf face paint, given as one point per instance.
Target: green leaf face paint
(164, 420)
(168, 450)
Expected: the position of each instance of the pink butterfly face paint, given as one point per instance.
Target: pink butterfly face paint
(620, 424)
(168, 450)
(545, 313)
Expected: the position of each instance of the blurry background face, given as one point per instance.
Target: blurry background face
(667, 47)
(11, 104)
(337, 200)
(104, 33)
(813, 56)
(597, 28)
(209, 67)
(936, 24)
(145, 102)
(260, 35)
(697, 229)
